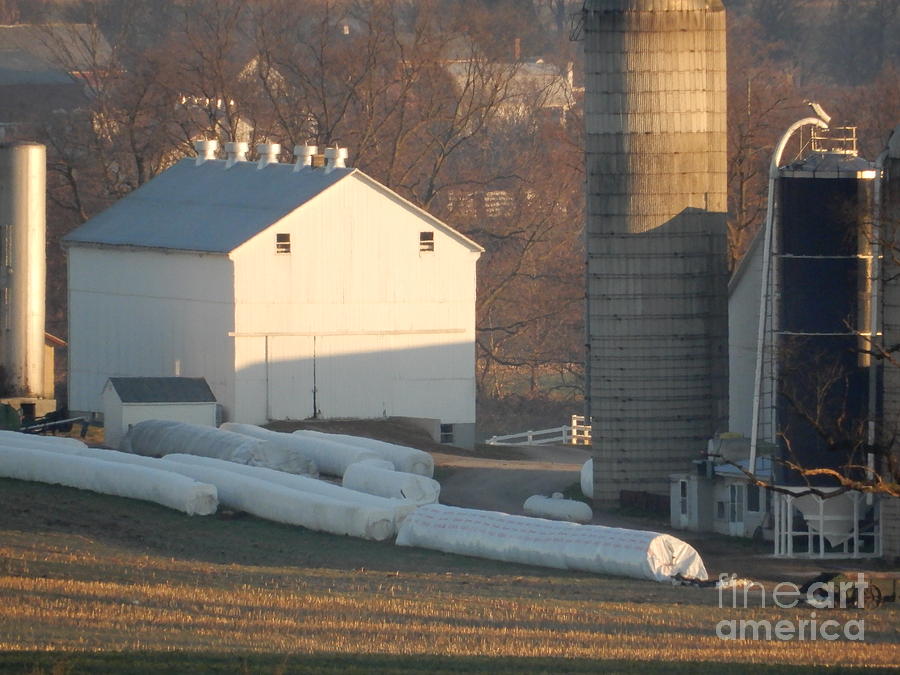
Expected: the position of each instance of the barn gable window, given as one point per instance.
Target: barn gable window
(426, 241)
(283, 242)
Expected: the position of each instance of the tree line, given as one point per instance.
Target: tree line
(443, 101)
(440, 101)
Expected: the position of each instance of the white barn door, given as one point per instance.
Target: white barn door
(290, 374)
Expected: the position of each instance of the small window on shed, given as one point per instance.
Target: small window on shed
(446, 433)
(283, 242)
(426, 241)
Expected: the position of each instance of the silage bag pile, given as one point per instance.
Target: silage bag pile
(548, 543)
(331, 458)
(155, 438)
(271, 501)
(398, 507)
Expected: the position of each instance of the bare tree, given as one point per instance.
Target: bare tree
(424, 99)
(9, 12)
(761, 102)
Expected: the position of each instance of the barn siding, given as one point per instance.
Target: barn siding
(390, 329)
(147, 313)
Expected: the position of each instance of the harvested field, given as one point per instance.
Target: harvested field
(99, 584)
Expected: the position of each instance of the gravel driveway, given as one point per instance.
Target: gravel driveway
(504, 485)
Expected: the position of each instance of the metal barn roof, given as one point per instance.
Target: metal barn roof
(205, 207)
(208, 208)
(162, 389)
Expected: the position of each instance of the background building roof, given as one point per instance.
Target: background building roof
(205, 208)
(31, 54)
(162, 389)
(209, 208)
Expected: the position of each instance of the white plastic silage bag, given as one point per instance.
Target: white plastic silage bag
(17, 439)
(69, 467)
(271, 501)
(569, 510)
(408, 460)
(286, 444)
(156, 438)
(368, 477)
(587, 479)
(548, 543)
(399, 507)
(333, 457)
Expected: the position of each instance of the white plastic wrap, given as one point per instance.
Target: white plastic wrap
(276, 456)
(557, 508)
(366, 477)
(377, 463)
(116, 456)
(587, 479)
(270, 501)
(548, 543)
(409, 460)
(111, 478)
(19, 440)
(400, 507)
(286, 443)
(155, 438)
(331, 457)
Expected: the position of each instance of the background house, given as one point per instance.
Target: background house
(520, 86)
(295, 291)
(45, 68)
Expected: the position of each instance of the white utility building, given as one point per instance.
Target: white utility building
(129, 400)
(295, 291)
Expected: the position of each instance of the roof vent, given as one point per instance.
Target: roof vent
(234, 153)
(205, 150)
(335, 158)
(268, 154)
(304, 155)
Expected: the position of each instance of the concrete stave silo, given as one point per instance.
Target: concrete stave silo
(23, 272)
(656, 237)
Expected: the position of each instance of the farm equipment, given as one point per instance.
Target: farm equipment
(56, 421)
(847, 591)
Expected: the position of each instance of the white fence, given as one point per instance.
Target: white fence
(575, 433)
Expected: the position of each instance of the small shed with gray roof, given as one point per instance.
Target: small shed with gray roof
(296, 291)
(129, 400)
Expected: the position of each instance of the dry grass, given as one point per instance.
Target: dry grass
(68, 592)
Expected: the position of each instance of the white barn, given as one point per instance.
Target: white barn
(295, 291)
